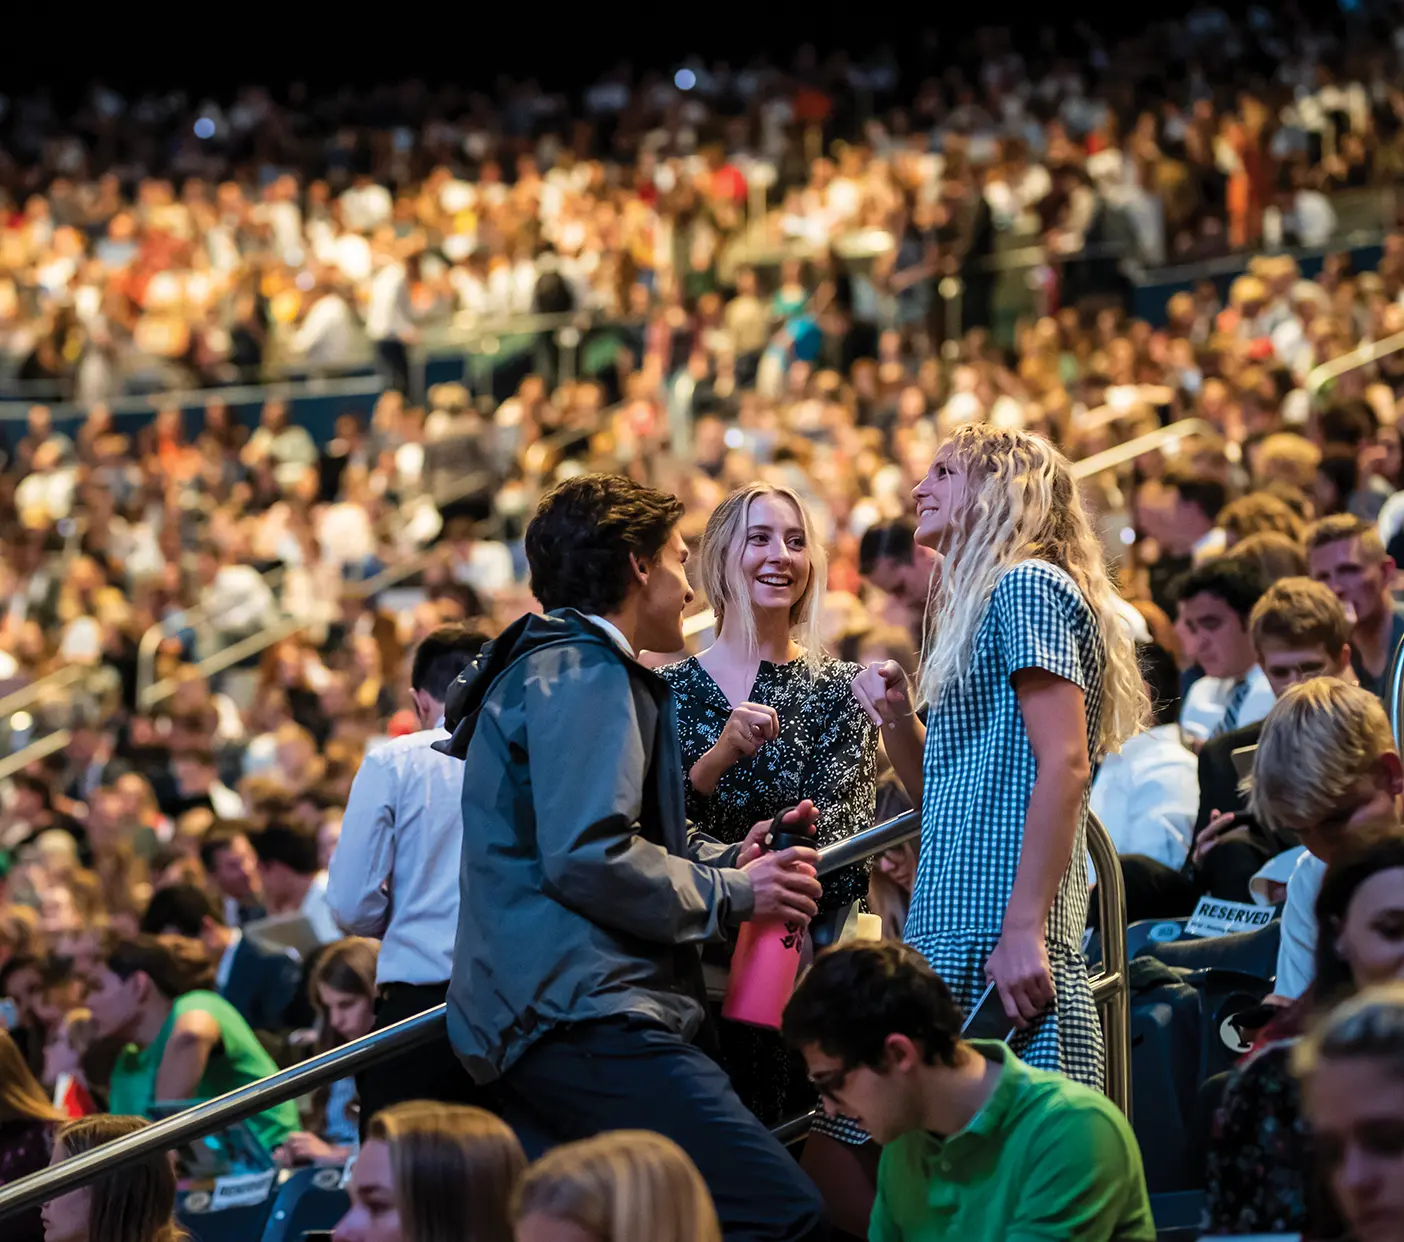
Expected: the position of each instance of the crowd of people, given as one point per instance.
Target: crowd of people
(776, 564)
(171, 241)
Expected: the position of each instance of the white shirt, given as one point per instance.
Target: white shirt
(1296, 954)
(327, 335)
(225, 802)
(389, 315)
(316, 909)
(613, 631)
(394, 873)
(239, 600)
(1147, 796)
(226, 960)
(1207, 700)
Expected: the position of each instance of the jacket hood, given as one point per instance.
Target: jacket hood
(527, 634)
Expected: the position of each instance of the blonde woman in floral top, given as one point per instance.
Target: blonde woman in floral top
(766, 720)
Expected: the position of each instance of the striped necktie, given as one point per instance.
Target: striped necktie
(1235, 705)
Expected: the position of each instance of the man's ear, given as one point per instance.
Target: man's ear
(1393, 771)
(902, 1054)
(640, 567)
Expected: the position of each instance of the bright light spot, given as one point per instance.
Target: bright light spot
(21, 722)
(684, 79)
(734, 437)
(1128, 535)
(204, 128)
(305, 281)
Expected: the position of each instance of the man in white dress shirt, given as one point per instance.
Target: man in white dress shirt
(395, 875)
(1214, 603)
(1327, 771)
(1146, 795)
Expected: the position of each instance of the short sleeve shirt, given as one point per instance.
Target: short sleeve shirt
(979, 766)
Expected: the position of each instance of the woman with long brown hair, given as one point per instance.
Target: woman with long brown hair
(135, 1203)
(27, 1124)
(431, 1172)
(343, 994)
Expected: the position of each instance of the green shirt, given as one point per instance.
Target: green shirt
(1045, 1158)
(236, 1060)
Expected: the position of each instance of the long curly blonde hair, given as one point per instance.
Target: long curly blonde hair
(1022, 503)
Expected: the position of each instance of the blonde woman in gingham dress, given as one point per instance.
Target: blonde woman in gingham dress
(1029, 679)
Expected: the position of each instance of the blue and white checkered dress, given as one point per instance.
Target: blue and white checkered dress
(979, 774)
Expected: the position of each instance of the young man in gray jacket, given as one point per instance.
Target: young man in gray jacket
(577, 980)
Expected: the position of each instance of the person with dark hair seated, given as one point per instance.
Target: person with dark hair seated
(1299, 631)
(891, 560)
(293, 880)
(394, 876)
(261, 983)
(1213, 603)
(977, 1146)
(1145, 794)
(228, 857)
(181, 1041)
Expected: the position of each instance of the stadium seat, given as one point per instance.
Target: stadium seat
(232, 1224)
(1249, 953)
(309, 1201)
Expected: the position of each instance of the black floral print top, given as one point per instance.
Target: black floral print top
(826, 751)
(1259, 1175)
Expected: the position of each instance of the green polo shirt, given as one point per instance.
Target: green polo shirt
(1045, 1159)
(237, 1060)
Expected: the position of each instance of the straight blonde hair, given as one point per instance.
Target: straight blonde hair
(1022, 503)
(454, 1168)
(625, 1186)
(1320, 739)
(724, 543)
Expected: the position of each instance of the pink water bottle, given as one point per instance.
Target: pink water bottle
(767, 956)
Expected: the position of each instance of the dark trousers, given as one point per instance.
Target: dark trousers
(393, 360)
(428, 1072)
(626, 1073)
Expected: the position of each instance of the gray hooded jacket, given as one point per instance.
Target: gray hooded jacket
(584, 894)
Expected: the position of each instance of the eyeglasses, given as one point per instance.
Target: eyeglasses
(830, 1082)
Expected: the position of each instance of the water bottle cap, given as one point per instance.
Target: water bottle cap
(779, 840)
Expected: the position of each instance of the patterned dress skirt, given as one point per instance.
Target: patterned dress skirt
(1067, 1037)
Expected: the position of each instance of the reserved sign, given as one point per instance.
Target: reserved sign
(1213, 917)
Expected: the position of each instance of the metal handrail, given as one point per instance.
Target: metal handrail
(1120, 454)
(38, 749)
(203, 1119)
(194, 617)
(239, 651)
(1109, 987)
(32, 693)
(1361, 356)
(1395, 695)
(148, 695)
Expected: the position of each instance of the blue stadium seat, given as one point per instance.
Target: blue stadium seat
(233, 1224)
(310, 1200)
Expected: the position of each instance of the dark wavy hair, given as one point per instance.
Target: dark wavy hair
(579, 542)
(856, 995)
(1342, 881)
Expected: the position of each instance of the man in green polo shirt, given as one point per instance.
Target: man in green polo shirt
(977, 1146)
(179, 1043)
